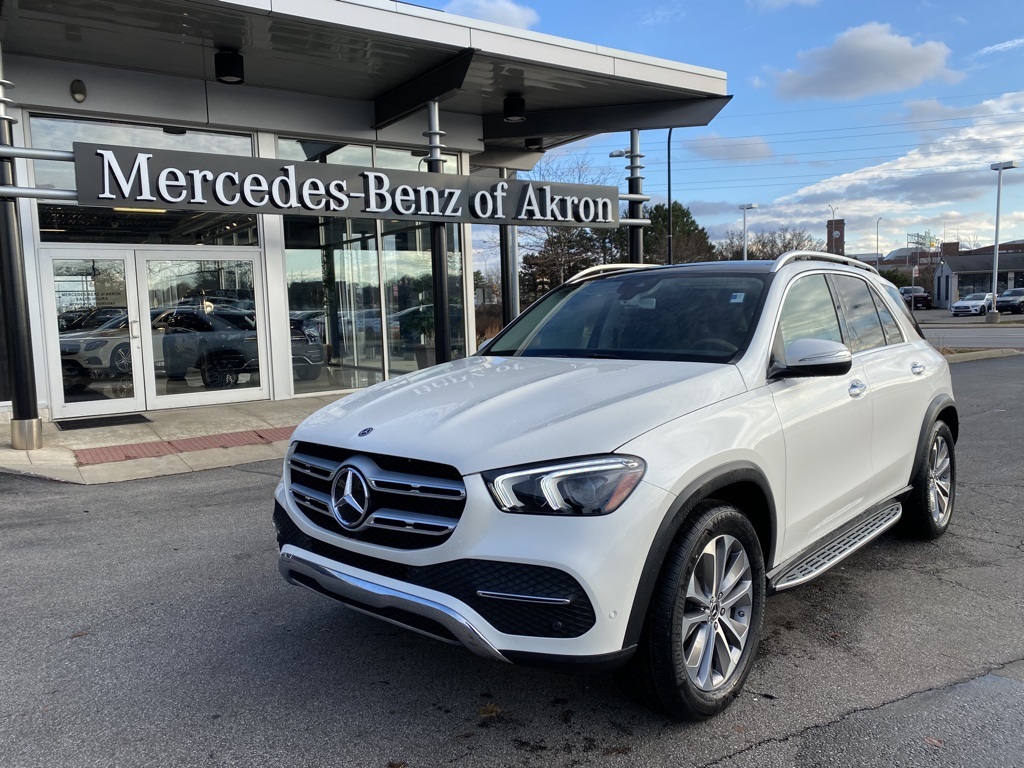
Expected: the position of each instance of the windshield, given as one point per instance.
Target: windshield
(651, 315)
(977, 297)
(1014, 292)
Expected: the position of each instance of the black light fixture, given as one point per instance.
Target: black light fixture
(229, 67)
(515, 108)
(535, 144)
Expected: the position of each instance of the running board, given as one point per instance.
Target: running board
(812, 564)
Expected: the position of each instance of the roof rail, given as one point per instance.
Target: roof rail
(835, 258)
(601, 268)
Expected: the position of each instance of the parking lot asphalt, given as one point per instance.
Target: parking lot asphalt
(145, 624)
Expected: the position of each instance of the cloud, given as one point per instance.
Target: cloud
(498, 11)
(775, 5)
(864, 61)
(1000, 47)
(662, 15)
(715, 147)
(948, 180)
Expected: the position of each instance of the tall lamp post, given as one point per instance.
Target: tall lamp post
(670, 259)
(830, 235)
(878, 253)
(1000, 167)
(746, 207)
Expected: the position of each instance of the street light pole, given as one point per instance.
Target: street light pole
(1000, 167)
(830, 236)
(746, 207)
(670, 259)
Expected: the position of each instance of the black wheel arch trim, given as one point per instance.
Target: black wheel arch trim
(702, 488)
(936, 407)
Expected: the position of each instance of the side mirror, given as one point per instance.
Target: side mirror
(815, 357)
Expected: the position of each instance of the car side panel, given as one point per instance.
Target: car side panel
(901, 379)
(828, 438)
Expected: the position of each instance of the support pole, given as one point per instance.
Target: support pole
(509, 256)
(26, 426)
(636, 187)
(438, 244)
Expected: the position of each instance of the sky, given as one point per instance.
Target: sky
(889, 112)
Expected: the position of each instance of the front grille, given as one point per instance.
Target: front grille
(412, 504)
(568, 613)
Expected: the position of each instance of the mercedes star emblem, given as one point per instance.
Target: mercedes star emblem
(350, 498)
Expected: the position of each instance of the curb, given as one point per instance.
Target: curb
(981, 354)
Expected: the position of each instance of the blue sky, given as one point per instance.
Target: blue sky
(880, 109)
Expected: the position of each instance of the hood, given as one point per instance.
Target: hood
(491, 412)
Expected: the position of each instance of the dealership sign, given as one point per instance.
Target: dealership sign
(129, 177)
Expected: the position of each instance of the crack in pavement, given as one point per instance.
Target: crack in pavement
(846, 715)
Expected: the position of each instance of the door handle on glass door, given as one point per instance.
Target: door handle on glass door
(134, 329)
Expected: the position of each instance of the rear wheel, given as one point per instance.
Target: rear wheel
(929, 507)
(704, 622)
(216, 377)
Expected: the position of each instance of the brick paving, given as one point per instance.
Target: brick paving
(86, 456)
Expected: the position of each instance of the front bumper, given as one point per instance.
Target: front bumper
(442, 623)
(524, 588)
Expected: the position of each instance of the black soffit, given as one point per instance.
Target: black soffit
(606, 119)
(433, 85)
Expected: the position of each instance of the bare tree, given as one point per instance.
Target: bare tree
(768, 244)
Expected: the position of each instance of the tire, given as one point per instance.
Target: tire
(983, 311)
(73, 377)
(215, 377)
(673, 670)
(929, 507)
(308, 372)
(121, 359)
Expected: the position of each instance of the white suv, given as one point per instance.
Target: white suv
(619, 477)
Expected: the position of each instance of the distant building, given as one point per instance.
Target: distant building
(965, 272)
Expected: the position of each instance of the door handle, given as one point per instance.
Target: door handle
(134, 328)
(857, 388)
(917, 368)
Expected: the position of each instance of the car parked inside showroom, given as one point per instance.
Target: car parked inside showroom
(620, 477)
(972, 304)
(223, 345)
(1011, 300)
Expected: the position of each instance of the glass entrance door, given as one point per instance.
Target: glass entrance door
(136, 330)
(94, 336)
(204, 342)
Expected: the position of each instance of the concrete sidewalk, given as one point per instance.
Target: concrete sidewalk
(172, 442)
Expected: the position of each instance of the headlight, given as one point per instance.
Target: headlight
(580, 487)
(95, 344)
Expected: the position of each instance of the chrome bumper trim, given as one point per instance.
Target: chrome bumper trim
(349, 587)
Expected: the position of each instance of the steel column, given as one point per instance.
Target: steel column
(26, 426)
(636, 187)
(438, 244)
(509, 257)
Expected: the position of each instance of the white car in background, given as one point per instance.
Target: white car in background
(620, 477)
(972, 304)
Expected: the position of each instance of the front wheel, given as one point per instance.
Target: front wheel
(929, 507)
(704, 622)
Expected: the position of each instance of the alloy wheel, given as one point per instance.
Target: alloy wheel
(717, 614)
(940, 481)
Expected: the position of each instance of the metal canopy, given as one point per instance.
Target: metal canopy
(394, 54)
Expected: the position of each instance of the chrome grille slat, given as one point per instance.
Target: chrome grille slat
(322, 468)
(414, 485)
(411, 521)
